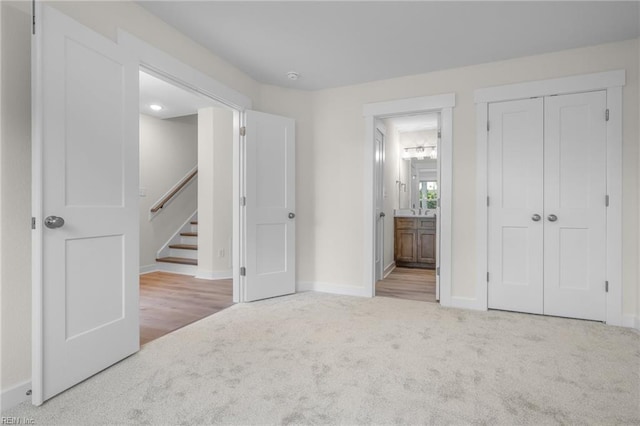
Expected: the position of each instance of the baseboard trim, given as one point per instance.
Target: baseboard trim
(331, 288)
(147, 269)
(466, 303)
(631, 321)
(177, 268)
(389, 269)
(215, 275)
(15, 395)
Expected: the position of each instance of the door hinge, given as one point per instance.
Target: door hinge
(243, 201)
(33, 17)
(243, 272)
(606, 201)
(243, 131)
(438, 271)
(33, 223)
(488, 126)
(487, 277)
(606, 286)
(438, 202)
(606, 115)
(487, 201)
(439, 134)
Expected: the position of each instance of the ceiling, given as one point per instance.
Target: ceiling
(175, 101)
(337, 43)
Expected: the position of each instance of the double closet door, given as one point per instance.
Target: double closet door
(547, 206)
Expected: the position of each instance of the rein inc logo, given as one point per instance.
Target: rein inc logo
(17, 421)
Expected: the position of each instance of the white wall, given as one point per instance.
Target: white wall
(215, 179)
(339, 145)
(168, 151)
(15, 197)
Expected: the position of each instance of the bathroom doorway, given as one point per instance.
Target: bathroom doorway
(410, 202)
(416, 193)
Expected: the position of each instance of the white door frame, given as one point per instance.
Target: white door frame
(428, 104)
(170, 69)
(612, 82)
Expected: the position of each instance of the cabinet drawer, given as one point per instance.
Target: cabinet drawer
(405, 223)
(427, 223)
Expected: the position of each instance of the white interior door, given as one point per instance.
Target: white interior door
(85, 172)
(379, 214)
(270, 232)
(438, 221)
(515, 198)
(575, 210)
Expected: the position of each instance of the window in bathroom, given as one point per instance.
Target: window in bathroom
(428, 194)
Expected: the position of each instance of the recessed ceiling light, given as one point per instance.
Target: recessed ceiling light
(155, 107)
(292, 75)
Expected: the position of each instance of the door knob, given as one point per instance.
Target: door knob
(536, 217)
(292, 215)
(552, 218)
(382, 214)
(53, 222)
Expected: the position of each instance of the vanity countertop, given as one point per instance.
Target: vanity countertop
(409, 213)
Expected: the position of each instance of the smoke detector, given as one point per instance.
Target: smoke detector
(292, 75)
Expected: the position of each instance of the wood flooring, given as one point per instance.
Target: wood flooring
(409, 283)
(171, 301)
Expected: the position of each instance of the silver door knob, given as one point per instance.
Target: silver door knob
(292, 215)
(552, 218)
(382, 214)
(536, 217)
(53, 222)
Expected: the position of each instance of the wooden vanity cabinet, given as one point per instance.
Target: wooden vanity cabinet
(415, 242)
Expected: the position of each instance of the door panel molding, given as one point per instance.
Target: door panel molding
(612, 82)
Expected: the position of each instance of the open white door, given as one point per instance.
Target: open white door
(379, 196)
(85, 184)
(270, 232)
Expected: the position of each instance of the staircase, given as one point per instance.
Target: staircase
(180, 254)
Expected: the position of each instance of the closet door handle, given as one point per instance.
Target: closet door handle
(536, 217)
(552, 218)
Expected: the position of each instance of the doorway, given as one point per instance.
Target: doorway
(408, 188)
(432, 226)
(185, 209)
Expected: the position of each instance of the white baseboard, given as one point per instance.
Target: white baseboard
(466, 303)
(177, 268)
(215, 275)
(148, 268)
(389, 269)
(332, 288)
(15, 395)
(631, 321)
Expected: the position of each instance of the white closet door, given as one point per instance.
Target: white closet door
(515, 193)
(575, 190)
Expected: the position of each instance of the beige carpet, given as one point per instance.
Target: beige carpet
(322, 359)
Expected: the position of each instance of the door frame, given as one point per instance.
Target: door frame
(444, 105)
(170, 69)
(611, 82)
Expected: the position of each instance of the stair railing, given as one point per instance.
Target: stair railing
(174, 191)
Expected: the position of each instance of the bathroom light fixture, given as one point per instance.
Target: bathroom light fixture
(420, 152)
(155, 107)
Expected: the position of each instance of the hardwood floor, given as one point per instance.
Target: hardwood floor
(171, 301)
(409, 283)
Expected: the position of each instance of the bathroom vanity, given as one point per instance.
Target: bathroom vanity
(415, 240)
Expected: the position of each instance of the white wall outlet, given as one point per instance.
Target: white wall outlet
(221, 253)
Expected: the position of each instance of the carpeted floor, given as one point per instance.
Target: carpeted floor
(315, 358)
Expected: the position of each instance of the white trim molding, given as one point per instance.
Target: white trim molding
(214, 275)
(612, 82)
(15, 395)
(340, 289)
(443, 104)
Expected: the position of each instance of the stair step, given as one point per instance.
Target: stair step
(189, 234)
(179, 260)
(184, 246)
